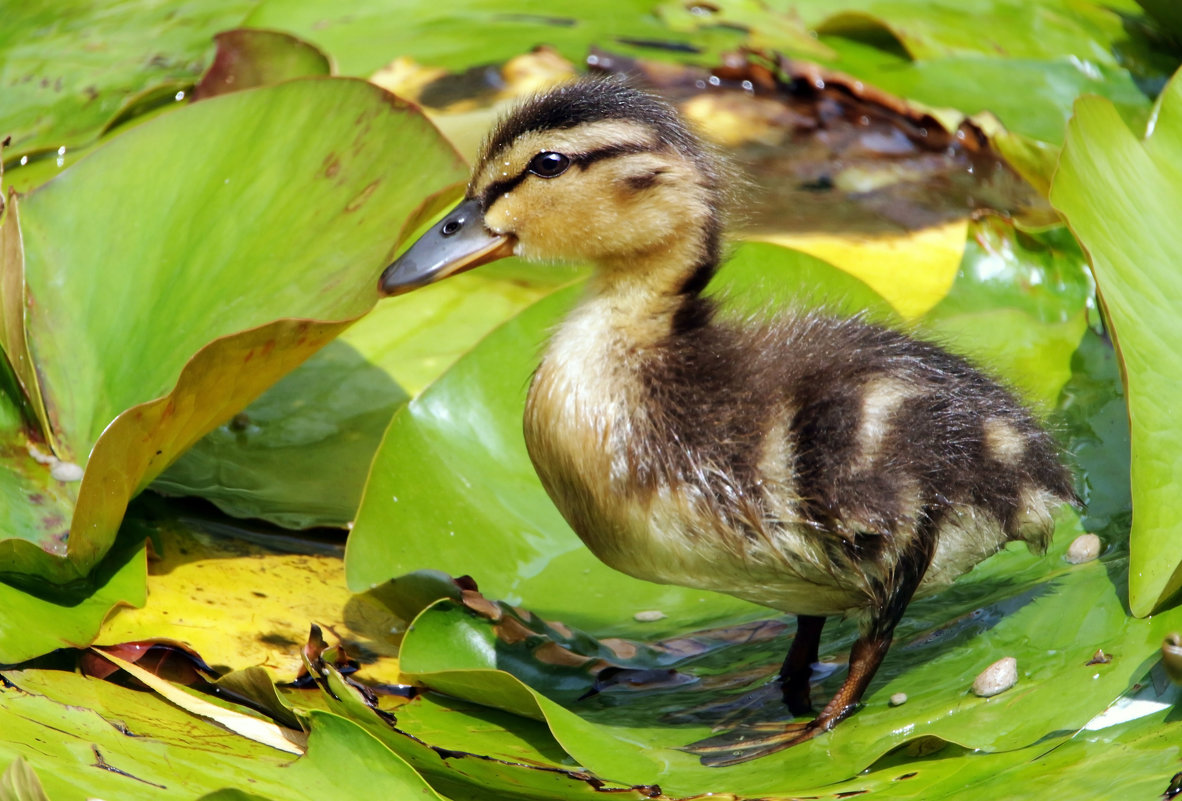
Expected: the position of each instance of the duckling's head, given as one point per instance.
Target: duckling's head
(593, 171)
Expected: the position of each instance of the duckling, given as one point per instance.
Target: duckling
(815, 465)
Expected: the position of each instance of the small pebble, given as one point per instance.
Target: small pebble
(898, 699)
(997, 678)
(1083, 548)
(649, 616)
(65, 471)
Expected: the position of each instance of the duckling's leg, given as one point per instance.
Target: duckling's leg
(797, 671)
(891, 595)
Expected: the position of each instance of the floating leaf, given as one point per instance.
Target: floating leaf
(1121, 197)
(88, 738)
(1048, 615)
(136, 365)
(249, 58)
(68, 68)
(20, 783)
(35, 623)
(367, 35)
(268, 461)
(271, 585)
(248, 726)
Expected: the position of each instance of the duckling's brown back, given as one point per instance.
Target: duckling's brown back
(859, 433)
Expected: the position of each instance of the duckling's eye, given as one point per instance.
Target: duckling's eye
(548, 164)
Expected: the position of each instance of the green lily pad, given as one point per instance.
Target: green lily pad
(88, 738)
(1106, 759)
(511, 758)
(34, 623)
(69, 67)
(1019, 305)
(1024, 62)
(281, 208)
(1031, 97)
(1048, 615)
(249, 58)
(366, 36)
(1009, 28)
(1121, 198)
(268, 461)
(20, 783)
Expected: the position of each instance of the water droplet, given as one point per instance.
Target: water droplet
(180, 95)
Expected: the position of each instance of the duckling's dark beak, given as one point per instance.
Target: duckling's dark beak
(458, 242)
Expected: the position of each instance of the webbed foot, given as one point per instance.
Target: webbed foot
(751, 742)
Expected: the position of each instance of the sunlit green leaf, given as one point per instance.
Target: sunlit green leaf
(37, 619)
(365, 36)
(1052, 617)
(268, 462)
(250, 58)
(1121, 197)
(88, 738)
(516, 758)
(286, 204)
(20, 783)
(68, 67)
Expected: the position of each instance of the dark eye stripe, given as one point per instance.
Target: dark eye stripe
(580, 160)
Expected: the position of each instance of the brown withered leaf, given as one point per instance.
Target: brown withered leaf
(170, 660)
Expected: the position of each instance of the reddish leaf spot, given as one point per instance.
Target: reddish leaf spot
(363, 196)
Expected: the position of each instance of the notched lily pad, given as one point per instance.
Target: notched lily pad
(247, 58)
(135, 366)
(1120, 196)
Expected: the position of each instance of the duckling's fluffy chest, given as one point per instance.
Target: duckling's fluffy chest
(634, 478)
